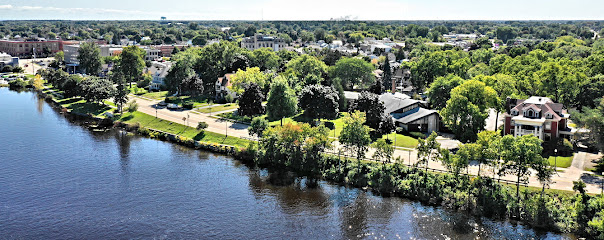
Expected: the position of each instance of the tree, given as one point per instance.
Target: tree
(591, 92)
(132, 106)
(353, 71)
(371, 105)
(319, 101)
(440, 90)
(355, 135)
(95, 89)
(308, 69)
(181, 70)
(592, 119)
(257, 126)
(427, 149)
(121, 93)
(282, 101)
(265, 59)
(60, 57)
(488, 142)
(131, 63)
(250, 102)
(89, 56)
(519, 155)
(199, 40)
(383, 150)
(387, 76)
(71, 86)
(202, 126)
(467, 110)
(243, 78)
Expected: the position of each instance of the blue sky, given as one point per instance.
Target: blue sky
(302, 10)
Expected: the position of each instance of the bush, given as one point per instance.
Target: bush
(7, 68)
(228, 98)
(187, 105)
(202, 125)
(170, 99)
(17, 84)
(417, 134)
(132, 106)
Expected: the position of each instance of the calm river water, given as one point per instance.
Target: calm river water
(58, 180)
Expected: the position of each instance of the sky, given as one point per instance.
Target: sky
(302, 10)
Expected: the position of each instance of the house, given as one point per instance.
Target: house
(6, 59)
(159, 71)
(538, 116)
(222, 86)
(409, 113)
(29, 47)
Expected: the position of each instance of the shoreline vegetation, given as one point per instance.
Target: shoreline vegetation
(542, 209)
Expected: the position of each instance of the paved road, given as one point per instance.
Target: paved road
(563, 180)
(214, 125)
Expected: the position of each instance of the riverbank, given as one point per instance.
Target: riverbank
(139, 121)
(478, 196)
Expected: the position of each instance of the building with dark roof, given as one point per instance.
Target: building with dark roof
(409, 113)
(538, 116)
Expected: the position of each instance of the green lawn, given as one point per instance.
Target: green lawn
(402, 140)
(229, 106)
(79, 105)
(149, 121)
(156, 95)
(562, 162)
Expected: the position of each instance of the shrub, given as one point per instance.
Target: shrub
(170, 99)
(187, 105)
(17, 84)
(132, 106)
(202, 125)
(417, 135)
(228, 98)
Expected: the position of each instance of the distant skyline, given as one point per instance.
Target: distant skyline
(302, 10)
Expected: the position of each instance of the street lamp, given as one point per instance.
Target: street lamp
(188, 118)
(556, 160)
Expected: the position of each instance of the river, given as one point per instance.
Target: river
(58, 180)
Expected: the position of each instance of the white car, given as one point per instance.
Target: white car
(173, 106)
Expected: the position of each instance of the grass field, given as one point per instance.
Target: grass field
(402, 140)
(562, 162)
(156, 95)
(229, 106)
(149, 121)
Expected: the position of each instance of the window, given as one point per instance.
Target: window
(548, 126)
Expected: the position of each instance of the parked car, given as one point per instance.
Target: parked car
(173, 106)
(162, 103)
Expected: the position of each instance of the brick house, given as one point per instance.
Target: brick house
(538, 116)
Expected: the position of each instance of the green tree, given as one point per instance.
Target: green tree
(181, 70)
(488, 142)
(121, 93)
(95, 89)
(282, 101)
(257, 126)
(319, 101)
(520, 154)
(592, 119)
(467, 110)
(199, 40)
(89, 56)
(309, 69)
(440, 90)
(243, 78)
(265, 59)
(427, 149)
(370, 104)
(132, 106)
(353, 71)
(131, 63)
(383, 150)
(250, 102)
(355, 135)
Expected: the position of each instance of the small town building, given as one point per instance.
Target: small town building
(159, 71)
(222, 86)
(262, 41)
(6, 59)
(538, 116)
(410, 114)
(30, 47)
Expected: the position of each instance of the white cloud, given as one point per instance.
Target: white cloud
(2, 7)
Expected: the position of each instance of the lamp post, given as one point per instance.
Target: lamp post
(155, 111)
(188, 118)
(556, 160)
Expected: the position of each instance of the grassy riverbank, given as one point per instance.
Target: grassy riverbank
(148, 121)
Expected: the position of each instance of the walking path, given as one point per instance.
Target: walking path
(563, 180)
